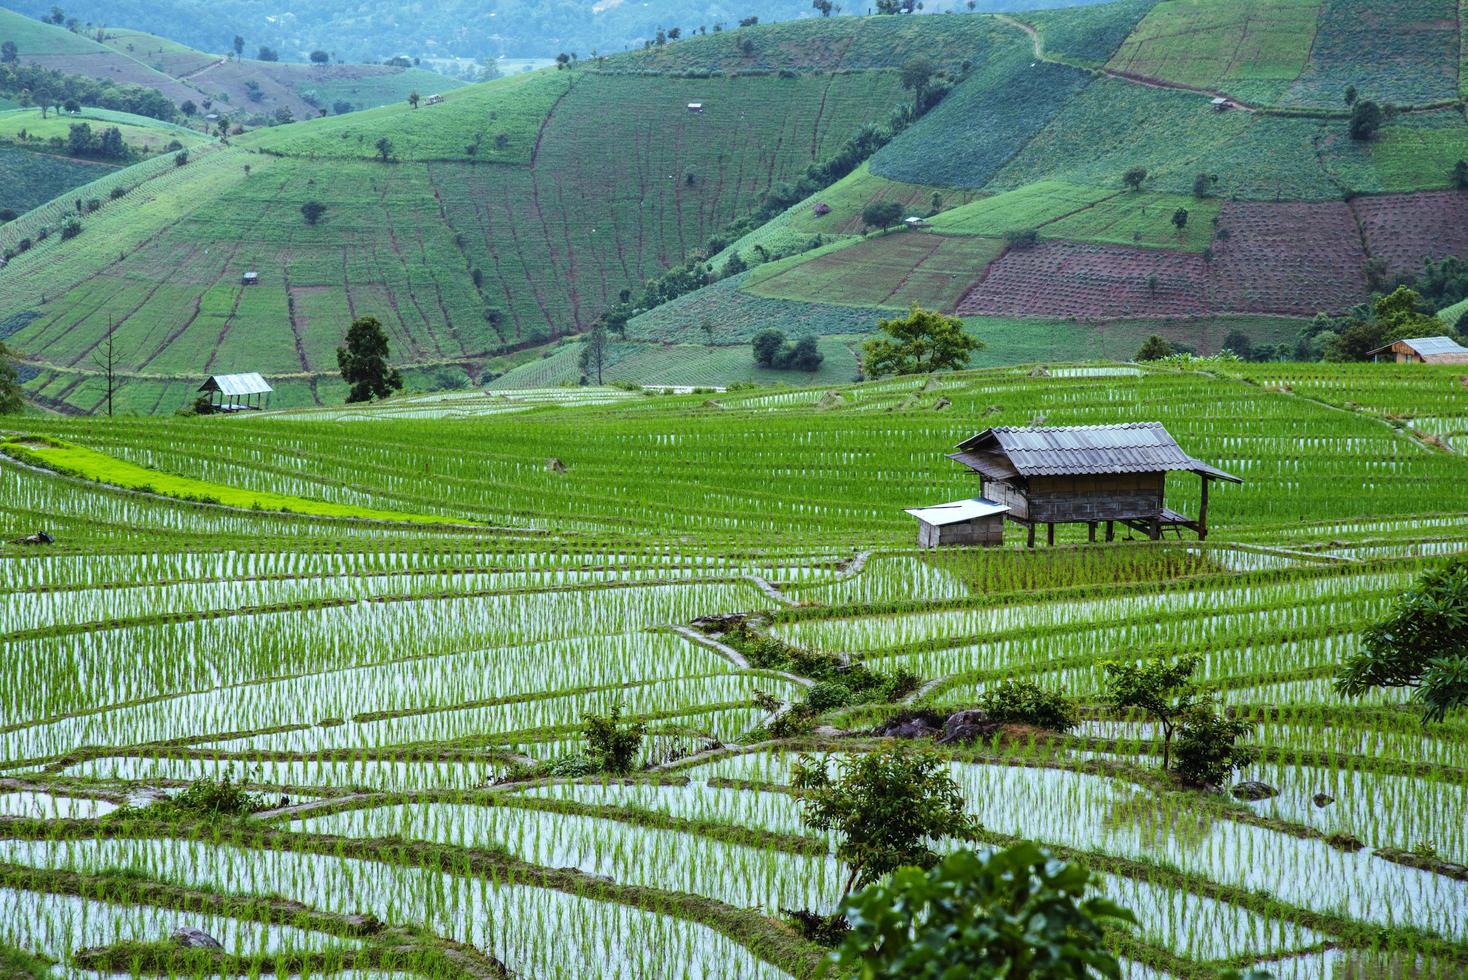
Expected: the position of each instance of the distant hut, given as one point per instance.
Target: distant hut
(250, 279)
(977, 521)
(1086, 475)
(1423, 350)
(913, 221)
(237, 392)
(821, 209)
(696, 107)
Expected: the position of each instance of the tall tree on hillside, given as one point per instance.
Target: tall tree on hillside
(104, 358)
(824, 6)
(917, 74)
(384, 148)
(319, 57)
(267, 54)
(594, 352)
(1422, 645)
(918, 343)
(11, 399)
(1134, 177)
(1365, 120)
(9, 53)
(239, 47)
(1154, 348)
(413, 98)
(363, 362)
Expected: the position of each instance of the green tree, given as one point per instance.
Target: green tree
(1027, 703)
(1350, 95)
(12, 400)
(9, 53)
(881, 214)
(593, 352)
(312, 211)
(384, 148)
(885, 807)
(413, 98)
(805, 355)
(1239, 342)
(824, 6)
(1460, 175)
(1154, 348)
(1401, 313)
(767, 345)
(188, 108)
(610, 742)
(920, 342)
(1203, 184)
(319, 57)
(363, 362)
(917, 75)
(1019, 913)
(1209, 747)
(1365, 119)
(1134, 177)
(1422, 645)
(239, 47)
(79, 140)
(267, 54)
(1163, 689)
(1180, 219)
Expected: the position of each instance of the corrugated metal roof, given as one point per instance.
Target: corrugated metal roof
(1130, 447)
(1435, 345)
(236, 384)
(957, 511)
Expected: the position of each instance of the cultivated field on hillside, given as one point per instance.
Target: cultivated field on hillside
(382, 684)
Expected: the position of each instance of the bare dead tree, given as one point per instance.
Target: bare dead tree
(106, 361)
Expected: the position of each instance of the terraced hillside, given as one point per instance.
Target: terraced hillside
(1237, 112)
(38, 161)
(510, 214)
(385, 685)
(242, 88)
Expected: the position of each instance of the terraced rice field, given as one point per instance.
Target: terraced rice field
(377, 681)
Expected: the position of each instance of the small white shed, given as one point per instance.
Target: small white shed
(978, 521)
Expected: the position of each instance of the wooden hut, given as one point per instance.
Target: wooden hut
(237, 392)
(1086, 475)
(1423, 350)
(977, 521)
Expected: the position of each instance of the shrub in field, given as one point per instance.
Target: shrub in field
(221, 798)
(1422, 645)
(312, 211)
(71, 229)
(1161, 688)
(1022, 238)
(1027, 703)
(1154, 348)
(920, 342)
(1134, 177)
(1208, 748)
(1365, 119)
(611, 743)
(885, 807)
(829, 694)
(771, 351)
(1017, 913)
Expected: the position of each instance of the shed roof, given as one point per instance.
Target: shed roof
(236, 384)
(1427, 346)
(1004, 453)
(957, 511)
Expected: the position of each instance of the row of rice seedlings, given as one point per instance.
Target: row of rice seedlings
(888, 578)
(50, 675)
(1019, 650)
(349, 559)
(738, 874)
(533, 931)
(56, 926)
(649, 698)
(420, 684)
(883, 632)
(777, 813)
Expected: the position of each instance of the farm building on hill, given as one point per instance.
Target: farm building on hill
(236, 392)
(976, 521)
(250, 279)
(1086, 475)
(1423, 350)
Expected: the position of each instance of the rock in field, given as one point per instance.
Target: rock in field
(1253, 790)
(1322, 799)
(964, 727)
(191, 938)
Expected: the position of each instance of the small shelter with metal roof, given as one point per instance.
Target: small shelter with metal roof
(236, 392)
(1086, 475)
(976, 521)
(1423, 350)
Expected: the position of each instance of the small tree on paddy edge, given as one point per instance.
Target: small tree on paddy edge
(920, 342)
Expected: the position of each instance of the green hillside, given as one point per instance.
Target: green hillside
(246, 91)
(1290, 215)
(509, 214)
